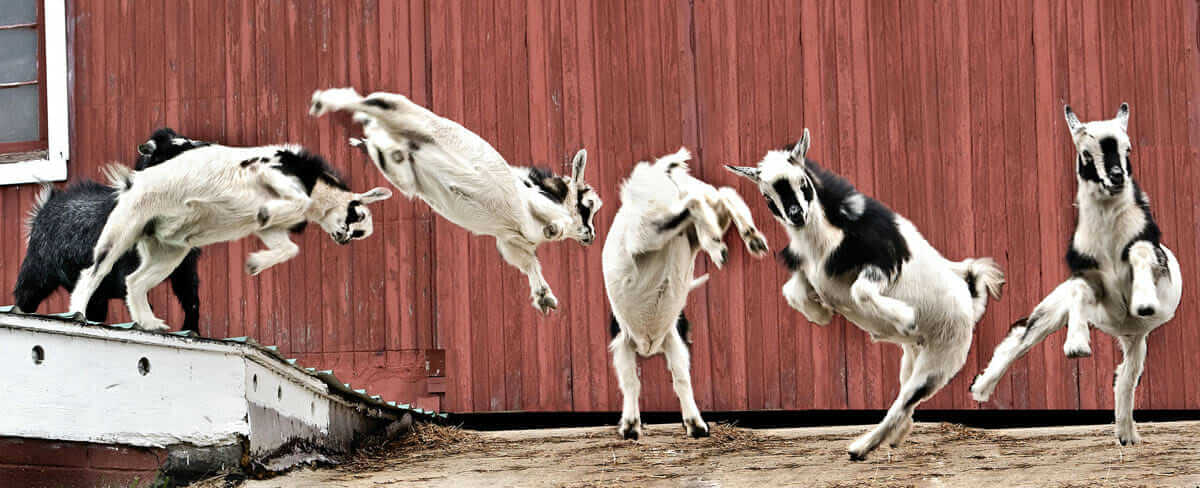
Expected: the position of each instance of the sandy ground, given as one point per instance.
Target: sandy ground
(935, 455)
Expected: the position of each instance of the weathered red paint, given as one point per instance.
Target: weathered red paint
(949, 112)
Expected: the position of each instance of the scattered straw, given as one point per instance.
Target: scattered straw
(424, 438)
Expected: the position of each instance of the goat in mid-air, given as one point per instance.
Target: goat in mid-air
(1124, 281)
(852, 255)
(469, 183)
(216, 194)
(64, 226)
(666, 217)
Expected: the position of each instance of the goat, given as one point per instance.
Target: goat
(64, 226)
(216, 194)
(852, 255)
(666, 217)
(1123, 281)
(465, 180)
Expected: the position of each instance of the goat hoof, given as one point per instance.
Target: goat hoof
(696, 428)
(630, 429)
(551, 231)
(1077, 351)
(78, 317)
(857, 456)
(1130, 439)
(544, 301)
(153, 325)
(756, 243)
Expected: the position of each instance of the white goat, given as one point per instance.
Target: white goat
(1123, 280)
(216, 194)
(666, 218)
(466, 181)
(852, 255)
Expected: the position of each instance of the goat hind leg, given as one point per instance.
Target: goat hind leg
(625, 364)
(678, 363)
(911, 353)
(1128, 375)
(157, 262)
(867, 292)
(1047, 317)
(932, 369)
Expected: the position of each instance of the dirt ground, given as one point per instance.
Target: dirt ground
(935, 455)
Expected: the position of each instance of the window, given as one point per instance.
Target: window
(33, 91)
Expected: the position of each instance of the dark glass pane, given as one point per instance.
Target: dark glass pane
(18, 55)
(19, 114)
(18, 11)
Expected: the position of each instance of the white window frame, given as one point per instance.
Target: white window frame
(58, 132)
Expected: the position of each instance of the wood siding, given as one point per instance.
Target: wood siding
(950, 112)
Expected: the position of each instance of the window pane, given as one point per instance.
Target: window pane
(19, 114)
(18, 55)
(18, 12)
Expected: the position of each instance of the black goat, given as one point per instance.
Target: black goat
(64, 226)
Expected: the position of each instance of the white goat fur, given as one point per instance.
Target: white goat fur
(666, 218)
(208, 195)
(1125, 298)
(926, 307)
(465, 180)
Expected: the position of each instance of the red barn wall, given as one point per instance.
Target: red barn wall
(949, 112)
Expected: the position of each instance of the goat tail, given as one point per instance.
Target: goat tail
(983, 277)
(39, 202)
(119, 176)
(675, 161)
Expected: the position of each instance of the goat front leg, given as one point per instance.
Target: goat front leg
(679, 364)
(708, 228)
(1127, 377)
(292, 201)
(801, 296)
(280, 248)
(1078, 342)
(392, 111)
(867, 293)
(522, 256)
(756, 243)
(625, 364)
(1143, 259)
(158, 260)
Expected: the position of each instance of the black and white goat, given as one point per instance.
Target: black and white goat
(1124, 281)
(216, 194)
(852, 255)
(469, 183)
(666, 217)
(64, 226)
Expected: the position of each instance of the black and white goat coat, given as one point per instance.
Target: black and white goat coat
(217, 194)
(465, 180)
(64, 226)
(666, 218)
(1123, 281)
(850, 254)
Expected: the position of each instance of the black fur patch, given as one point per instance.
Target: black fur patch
(352, 214)
(1112, 159)
(613, 327)
(970, 279)
(772, 207)
(585, 213)
(684, 328)
(378, 155)
(1079, 262)
(379, 103)
(150, 227)
(309, 168)
(550, 185)
(165, 148)
(923, 391)
(787, 199)
(1086, 170)
(871, 239)
(299, 228)
(791, 260)
(415, 139)
(674, 221)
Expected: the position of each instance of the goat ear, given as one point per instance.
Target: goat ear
(801, 148)
(375, 194)
(746, 171)
(1073, 123)
(578, 164)
(1123, 116)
